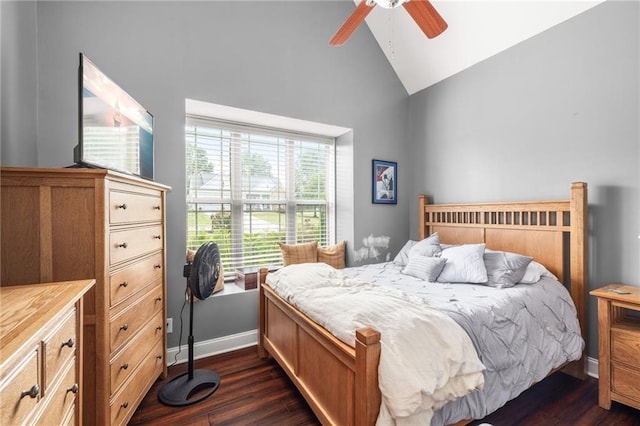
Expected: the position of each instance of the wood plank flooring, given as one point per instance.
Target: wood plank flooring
(257, 392)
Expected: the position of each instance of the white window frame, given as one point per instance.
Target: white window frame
(237, 202)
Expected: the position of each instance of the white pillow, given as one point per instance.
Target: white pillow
(403, 255)
(465, 264)
(424, 267)
(430, 246)
(534, 272)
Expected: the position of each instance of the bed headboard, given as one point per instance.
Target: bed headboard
(552, 232)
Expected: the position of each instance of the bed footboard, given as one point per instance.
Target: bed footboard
(339, 382)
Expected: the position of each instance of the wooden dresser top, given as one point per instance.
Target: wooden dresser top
(25, 309)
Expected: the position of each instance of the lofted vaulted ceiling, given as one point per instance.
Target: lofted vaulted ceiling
(478, 29)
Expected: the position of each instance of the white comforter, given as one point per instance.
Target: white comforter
(426, 358)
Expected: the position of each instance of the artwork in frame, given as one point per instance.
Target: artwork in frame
(385, 182)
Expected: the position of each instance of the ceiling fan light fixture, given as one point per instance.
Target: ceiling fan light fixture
(387, 4)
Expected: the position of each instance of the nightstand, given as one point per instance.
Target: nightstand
(618, 345)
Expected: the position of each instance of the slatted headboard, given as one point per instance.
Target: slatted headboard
(552, 232)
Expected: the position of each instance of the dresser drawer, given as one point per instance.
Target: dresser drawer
(625, 346)
(58, 348)
(134, 242)
(15, 408)
(130, 207)
(128, 281)
(127, 323)
(123, 404)
(125, 363)
(63, 397)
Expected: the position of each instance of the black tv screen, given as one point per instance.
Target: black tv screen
(115, 131)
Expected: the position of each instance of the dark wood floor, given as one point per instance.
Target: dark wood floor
(257, 392)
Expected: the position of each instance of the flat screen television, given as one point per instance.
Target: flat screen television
(115, 131)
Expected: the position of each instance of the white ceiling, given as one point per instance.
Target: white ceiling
(477, 30)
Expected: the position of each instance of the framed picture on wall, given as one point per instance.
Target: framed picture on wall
(385, 182)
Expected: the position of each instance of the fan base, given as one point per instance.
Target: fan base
(181, 391)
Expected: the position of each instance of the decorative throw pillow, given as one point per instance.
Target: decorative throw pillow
(534, 272)
(430, 246)
(299, 253)
(403, 255)
(332, 255)
(424, 267)
(465, 264)
(505, 269)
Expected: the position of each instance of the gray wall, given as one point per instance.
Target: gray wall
(271, 57)
(19, 114)
(557, 108)
(560, 107)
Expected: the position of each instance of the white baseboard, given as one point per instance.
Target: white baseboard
(592, 367)
(212, 347)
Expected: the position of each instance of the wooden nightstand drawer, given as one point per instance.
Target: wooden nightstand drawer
(58, 348)
(626, 381)
(128, 207)
(625, 347)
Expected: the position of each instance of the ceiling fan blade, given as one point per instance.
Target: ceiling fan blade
(426, 16)
(350, 25)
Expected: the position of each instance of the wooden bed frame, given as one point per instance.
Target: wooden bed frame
(340, 382)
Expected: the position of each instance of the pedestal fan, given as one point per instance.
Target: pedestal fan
(195, 385)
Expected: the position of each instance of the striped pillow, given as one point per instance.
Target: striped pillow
(332, 255)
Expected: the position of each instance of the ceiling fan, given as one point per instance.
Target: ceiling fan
(423, 12)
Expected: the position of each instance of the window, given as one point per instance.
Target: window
(249, 188)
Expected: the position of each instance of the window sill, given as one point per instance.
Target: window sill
(231, 288)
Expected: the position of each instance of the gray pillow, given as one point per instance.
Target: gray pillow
(403, 255)
(430, 246)
(424, 267)
(505, 269)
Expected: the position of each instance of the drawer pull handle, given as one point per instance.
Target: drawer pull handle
(158, 356)
(32, 393)
(123, 245)
(69, 343)
(73, 389)
(157, 237)
(158, 328)
(124, 366)
(156, 207)
(122, 206)
(124, 327)
(124, 404)
(158, 299)
(124, 284)
(157, 266)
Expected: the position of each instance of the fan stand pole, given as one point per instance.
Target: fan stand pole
(192, 386)
(190, 338)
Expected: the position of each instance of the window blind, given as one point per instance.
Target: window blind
(250, 188)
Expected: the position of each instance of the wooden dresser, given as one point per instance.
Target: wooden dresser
(618, 345)
(68, 224)
(41, 356)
